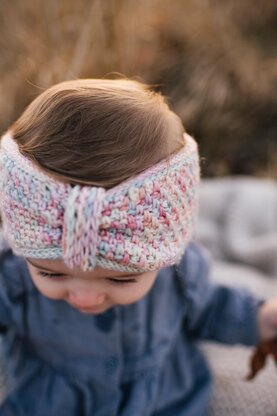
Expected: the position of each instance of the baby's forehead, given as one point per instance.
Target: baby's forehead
(58, 266)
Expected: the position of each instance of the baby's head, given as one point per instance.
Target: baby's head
(93, 138)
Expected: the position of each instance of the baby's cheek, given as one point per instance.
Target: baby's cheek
(133, 293)
(54, 290)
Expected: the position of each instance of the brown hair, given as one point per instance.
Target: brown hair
(98, 131)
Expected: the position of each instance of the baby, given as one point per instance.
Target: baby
(103, 293)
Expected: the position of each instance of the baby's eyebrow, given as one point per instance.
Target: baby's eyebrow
(52, 271)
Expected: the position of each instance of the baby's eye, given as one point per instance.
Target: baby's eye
(121, 282)
(57, 276)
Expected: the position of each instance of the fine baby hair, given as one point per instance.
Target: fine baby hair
(103, 131)
(120, 138)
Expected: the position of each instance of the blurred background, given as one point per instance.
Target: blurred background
(214, 60)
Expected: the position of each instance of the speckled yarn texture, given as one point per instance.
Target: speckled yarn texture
(142, 224)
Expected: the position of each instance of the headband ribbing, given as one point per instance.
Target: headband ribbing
(142, 224)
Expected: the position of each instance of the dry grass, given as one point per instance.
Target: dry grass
(215, 61)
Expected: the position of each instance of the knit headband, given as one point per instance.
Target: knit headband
(142, 224)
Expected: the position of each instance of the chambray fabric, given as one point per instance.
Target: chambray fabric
(134, 360)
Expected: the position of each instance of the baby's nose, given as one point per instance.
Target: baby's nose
(86, 299)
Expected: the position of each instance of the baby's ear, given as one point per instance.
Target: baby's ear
(4, 245)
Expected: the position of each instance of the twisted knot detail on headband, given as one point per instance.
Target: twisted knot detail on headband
(142, 224)
(80, 226)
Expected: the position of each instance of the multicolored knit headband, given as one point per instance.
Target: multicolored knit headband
(142, 224)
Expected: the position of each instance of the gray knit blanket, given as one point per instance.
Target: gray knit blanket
(238, 221)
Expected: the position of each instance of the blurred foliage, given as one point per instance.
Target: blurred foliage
(214, 60)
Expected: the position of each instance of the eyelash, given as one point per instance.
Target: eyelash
(52, 275)
(113, 281)
(121, 282)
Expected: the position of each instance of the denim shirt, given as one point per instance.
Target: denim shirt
(140, 359)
